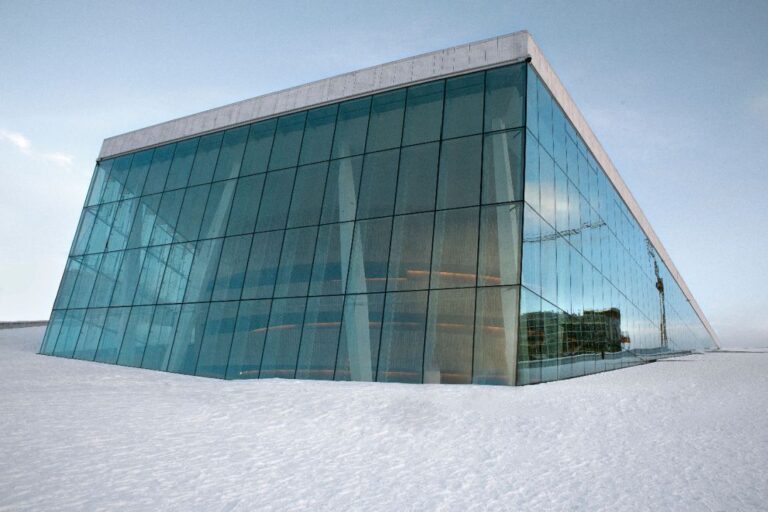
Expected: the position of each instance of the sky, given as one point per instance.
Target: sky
(677, 92)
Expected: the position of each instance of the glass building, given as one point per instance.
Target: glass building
(448, 218)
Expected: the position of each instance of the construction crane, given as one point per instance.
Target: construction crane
(660, 288)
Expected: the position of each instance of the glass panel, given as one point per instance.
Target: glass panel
(531, 264)
(531, 339)
(544, 110)
(463, 105)
(351, 128)
(417, 180)
(161, 337)
(548, 262)
(282, 344)
(151, 275)
(245, 205)
(189, 336)
(532, 195)
(386, 125)
(128, 278)
(105, 281)
(503, 167)
(307, 197)
(70, 331)
(248, 341)
(176, 272)
(531, 118)
(318, 135)
(450, 326)
(331, 263)
(87, 219)
(117, 178)
(454, 251)
(275, 201)
(89, 268)
(52, 332)
(259, 147)
(188, 226)
(423, 113)
(459, 179)
(505, 97)
(203, 273)
(341, 189)
(377, 189)
(402, 337)
(138, 174)
(285, 150)
(217, 340)
(561, 200)
(217, 209)
(496, 335)
(231, 273)
(262, 265)
(368, 260)
(410, 252)
(296, 262)
(68, 281)
(100, 233)
(205, 159)
(88, 341)
(547, 187)
(499, 260)
(231, 156)
(158, 171)
(178, 175)
(135, 339)
(358, 352)
(320, 338)
(167, 215)
(112, 335)
(100, 176)
(121, 226)
(143, 221)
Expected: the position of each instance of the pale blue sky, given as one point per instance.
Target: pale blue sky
(676, 92)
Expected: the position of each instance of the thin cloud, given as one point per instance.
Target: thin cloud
(24, 145)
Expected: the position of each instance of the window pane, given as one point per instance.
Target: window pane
(275, 201)
(463, 105)
(231, 156)
(90, 333)
(308, 195)
(105, 281)
(100, 232)
(138, 174)
(117, 178)
(112, 335)
(500, 245)
(341, 190)
(547, 187)
(459, 180)
(410, 252)
(205, 159)
(262, 265)
(503, 167)
(505, 97)
(259, 147)
(189, 336)
(402, 337)
(121, 226)
(135, 339)
(219, 329)
(548, 263)
(531, 118)
(450, 326)
(531, 339)
(417, 180)
(203, 273)
(296, 262)
(532, 195)
(188, 226)
(128, 278)
(231, 273)
(285, 150)
(368, 260)
(377, 189)
(160, 337)
(351, 128)
(151, 275)
(99, 181)
(68, 281)
(176, 272)
(70, 331)
(143, 221)
(248, 341)
(423, 113)
(496, 335)
(86, 278)
(158, 171)
(87, 220)
(386, 126)
(320, 338)
(178, 175)
(167, 215)
(282, 343)
(318, 135)
(358, 352)
(245, 205)
(217, 209)
(331, 263)
(52, 332)
(454, 251)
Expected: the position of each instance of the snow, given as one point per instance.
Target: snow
(683, 434)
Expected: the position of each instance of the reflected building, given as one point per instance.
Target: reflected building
(448, 218)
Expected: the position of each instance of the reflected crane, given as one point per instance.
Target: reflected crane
(660, 288)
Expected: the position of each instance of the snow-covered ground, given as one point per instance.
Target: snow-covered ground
(682, 434)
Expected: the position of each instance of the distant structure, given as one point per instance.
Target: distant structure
(445, 218)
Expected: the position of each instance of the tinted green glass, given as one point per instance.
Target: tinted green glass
(496, 320)
(135, 339)
(423, 113)
(231, 155)
(176, 272)
(151, 275)
(459, 175)
(351, 128)
(181, 166)
(68, 282)
(331, 262)
(105, 281)
(134, 184)
(231, 273)
(377, 187)
(505, 97)
(275, 201)
(358, 352)
(143, 221)
(281, 347)
(454, 250)
(448, 346)
(160, 339)
(52, 332)
(118, 175)
(258, 148)
(99, 181)
(463, 105)
(386, 125)
(191, 216)
(87, 220)
(503, 167)
(499, 256)
(320, 338)
(402, 337)
(341, 190)
(285, 149)
(128, 278)
(417, 179)
(205, 159)
(202, 275)
(189, 337)
(70, 331)
(369, 256)
(101, 227)
(217, 340)
(263, 261)
(245, 205)
(217, 209)
(158, 171)
(410, 252)
(88, 341)
(296, 262)
(121, 226)
(86, 278)
(167, 215)
(112, 335)
(318, 135)
(307, 197)
(248, 340)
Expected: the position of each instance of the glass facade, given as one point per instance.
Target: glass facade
(455, 231)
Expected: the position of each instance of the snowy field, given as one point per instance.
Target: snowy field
(682, 434)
